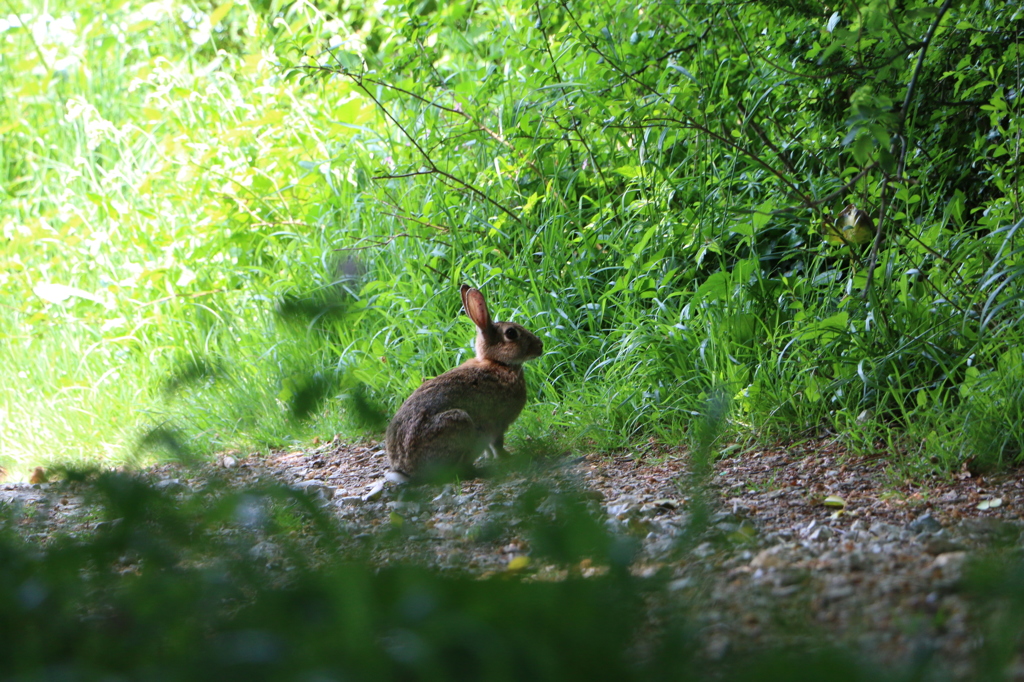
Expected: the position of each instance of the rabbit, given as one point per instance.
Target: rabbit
(452, 419)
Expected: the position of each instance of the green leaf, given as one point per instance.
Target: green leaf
(714, 287)
(826, 327)
(642, 244)
(763, 214)
(222, 11)
(683, 70)
(862, 148)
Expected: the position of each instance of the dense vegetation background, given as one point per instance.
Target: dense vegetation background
(240, 224)
(246, 223)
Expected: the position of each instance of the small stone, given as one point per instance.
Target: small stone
(444, 498)
(666, 527)
(883, 530)
(264, 550)
(858, 535)
(650, 509)
(744, 532)
(786, 590)
(717, 647)
(837, 592)
(679, 584)
(317, 488)
(857, 561)
(768, 558)
(940, 543)
(169, 484)
(925, 523)
(229, 462)
(821, 533)
(704, 549)
(404, 508)
(950, 561)
(619, 511)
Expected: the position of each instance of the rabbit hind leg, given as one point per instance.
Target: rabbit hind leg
(451, 441)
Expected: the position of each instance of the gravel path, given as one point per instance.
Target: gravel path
(799, 540)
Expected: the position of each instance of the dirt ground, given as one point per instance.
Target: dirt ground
(797, 540)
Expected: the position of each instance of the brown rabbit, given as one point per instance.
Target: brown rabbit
(450, 420)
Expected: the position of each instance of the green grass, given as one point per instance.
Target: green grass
(265, 236)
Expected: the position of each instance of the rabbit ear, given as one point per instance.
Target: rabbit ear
(476, 308)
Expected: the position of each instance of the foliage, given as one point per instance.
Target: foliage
(177, 588)
(268, 209)
(242, 224)
(176, 591)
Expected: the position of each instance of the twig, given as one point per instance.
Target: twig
(764, 138)
(419, 221)
(358, 79)
(411, 174)
(574, 123)
(462, 113)
(688, 122)
(31, 38)
(457, 111)
(913, 82)
(806, 200)
(194, 294)
(842, 190)
(902, 142)
(377, 242)
(280, 223)
(554, 65)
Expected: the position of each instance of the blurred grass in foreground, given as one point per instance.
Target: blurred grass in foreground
(182, 589)
(244, 225)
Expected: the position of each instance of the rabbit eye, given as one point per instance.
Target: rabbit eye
(511, 334)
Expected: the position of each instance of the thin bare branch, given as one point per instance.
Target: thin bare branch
(902, 142)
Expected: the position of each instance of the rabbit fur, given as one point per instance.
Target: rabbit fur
(452, 419)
